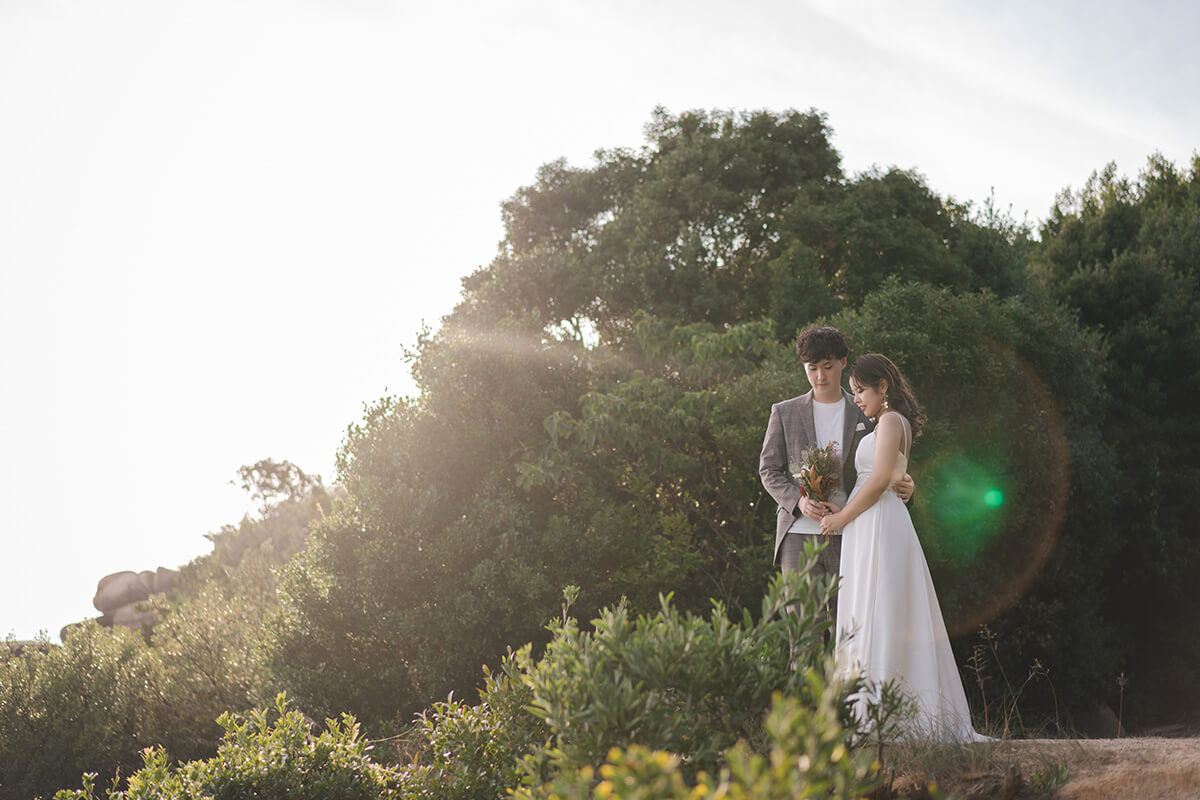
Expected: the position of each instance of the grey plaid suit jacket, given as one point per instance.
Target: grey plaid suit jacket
(790, 432)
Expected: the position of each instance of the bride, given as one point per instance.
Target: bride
(889, 624)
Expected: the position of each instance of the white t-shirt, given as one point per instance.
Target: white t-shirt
(828, 419)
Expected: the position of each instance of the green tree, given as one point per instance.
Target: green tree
(592, 411)
(724, 218)
(1126, 254)
(437, 560)
(629, 469)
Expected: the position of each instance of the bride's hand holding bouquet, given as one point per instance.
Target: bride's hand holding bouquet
(818, 474)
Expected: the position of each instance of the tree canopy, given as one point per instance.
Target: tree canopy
(591, 413)
(723, 218)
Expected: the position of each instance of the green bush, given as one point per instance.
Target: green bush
(88, 706)
(809, 756)
(211, 650)
(93, 704)
(694, 685)
(674, 681)
(474, 752)
(261, 757)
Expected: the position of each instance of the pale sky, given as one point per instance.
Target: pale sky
(222, 221)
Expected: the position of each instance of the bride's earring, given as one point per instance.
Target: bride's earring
(885, 403)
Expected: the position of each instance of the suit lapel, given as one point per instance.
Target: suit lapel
(851, 418)
(853, 436)
(806, 420)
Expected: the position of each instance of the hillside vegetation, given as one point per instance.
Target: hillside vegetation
(590, 415)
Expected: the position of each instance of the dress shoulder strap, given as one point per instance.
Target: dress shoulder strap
(906, 436)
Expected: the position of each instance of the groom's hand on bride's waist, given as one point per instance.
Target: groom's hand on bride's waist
(904, 487)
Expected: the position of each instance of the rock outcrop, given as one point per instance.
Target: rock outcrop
(118, 596)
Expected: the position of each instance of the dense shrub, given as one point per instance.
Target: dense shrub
(88, 706)
(810, 756)
(263, 755)
(676, 681)
(108, 693)
(473, 752)
(213, 659)
(669, 680)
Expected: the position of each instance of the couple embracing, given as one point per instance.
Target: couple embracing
(889, 625)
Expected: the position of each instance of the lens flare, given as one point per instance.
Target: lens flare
(960, 487)
(992, 502)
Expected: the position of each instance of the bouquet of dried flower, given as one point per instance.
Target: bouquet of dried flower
(818, 472)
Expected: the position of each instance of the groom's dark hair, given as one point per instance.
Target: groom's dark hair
(818, 344)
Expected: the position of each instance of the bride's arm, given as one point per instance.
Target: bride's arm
(888, 434)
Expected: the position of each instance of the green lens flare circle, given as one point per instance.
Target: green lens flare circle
(966, 492)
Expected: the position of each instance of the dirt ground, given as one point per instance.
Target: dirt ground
(1136, 768)
(1141, 768)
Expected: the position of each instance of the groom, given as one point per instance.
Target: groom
(825, 414)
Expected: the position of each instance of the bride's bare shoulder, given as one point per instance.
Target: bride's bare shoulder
(895, 428)
(892, 422)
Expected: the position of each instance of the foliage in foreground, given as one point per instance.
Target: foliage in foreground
(672, 681)
(92, 704)
(463, 751)
(809, 756)
(273, 759)
(675, 681)
(656, 704)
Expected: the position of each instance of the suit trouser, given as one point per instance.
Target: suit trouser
(791, 550)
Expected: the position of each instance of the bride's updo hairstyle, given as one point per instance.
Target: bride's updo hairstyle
(872, 369)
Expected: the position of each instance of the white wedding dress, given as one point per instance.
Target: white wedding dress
(889, 624)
